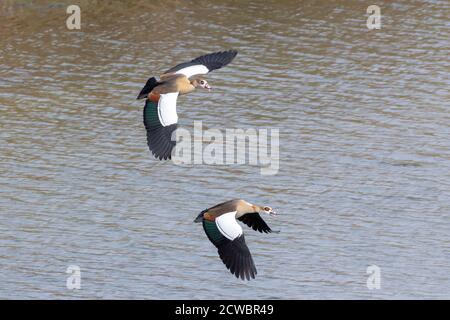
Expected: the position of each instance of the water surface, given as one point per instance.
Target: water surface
(364, 173)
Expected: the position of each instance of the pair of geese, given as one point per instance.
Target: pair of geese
(160, 120)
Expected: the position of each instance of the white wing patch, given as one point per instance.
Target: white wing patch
(167, 108)
(228, 226)
(193, 70)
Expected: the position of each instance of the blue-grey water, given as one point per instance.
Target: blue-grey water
(364, 174)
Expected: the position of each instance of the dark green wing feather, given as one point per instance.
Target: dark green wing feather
(213, 233)
(159, 138)
(234, 253)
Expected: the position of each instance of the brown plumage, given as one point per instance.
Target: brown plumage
(178, 78)
(220, 225)
(175, 83)
(240, 206)
(160, 111)
(245, 212)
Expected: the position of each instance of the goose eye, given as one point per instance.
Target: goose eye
(202, 82)
(266, 209)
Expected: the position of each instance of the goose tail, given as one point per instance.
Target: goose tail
(200, 216)
(151, 83)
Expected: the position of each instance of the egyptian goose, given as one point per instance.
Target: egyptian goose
(222, 229)
(160, 111)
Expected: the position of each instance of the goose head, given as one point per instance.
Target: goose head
(267, 210)
(201, 83)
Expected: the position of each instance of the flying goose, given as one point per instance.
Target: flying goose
(160, 111)
(222, 229)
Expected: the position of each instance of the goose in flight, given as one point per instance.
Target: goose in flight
(222, 229)
(160, 111)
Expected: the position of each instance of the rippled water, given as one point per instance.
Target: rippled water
(364, 126)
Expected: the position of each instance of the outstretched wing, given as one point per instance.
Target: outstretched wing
(204, 64)
(160, 120)
(254, 221)
(226, 234)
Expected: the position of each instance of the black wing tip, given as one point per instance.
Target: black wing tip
(231, 52)
(216, 60)
(165, 154)
(212, 61)
(159, 151)
(161, 157)
(234, 52)
(245, 273)
(237, 258)
(229, 55)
